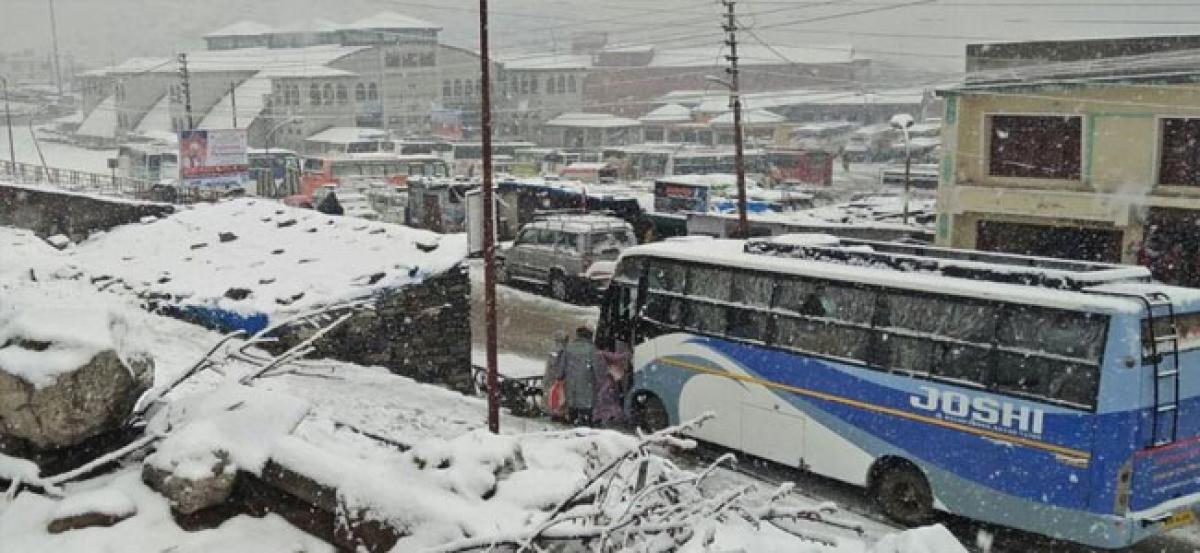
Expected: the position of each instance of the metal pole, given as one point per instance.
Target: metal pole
(489, 226)
(12, 148)
(233, 103)
(743, 229)
(54, 38)
(907, 171)
(187, 90)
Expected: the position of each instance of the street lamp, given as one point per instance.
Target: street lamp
(904, 121)
(735, 99)
(12, 148)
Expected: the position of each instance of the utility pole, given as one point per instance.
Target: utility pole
(735, 100)
(12, 149)
(489, 223)
(187, 90)
(54, 38)
(233, 103)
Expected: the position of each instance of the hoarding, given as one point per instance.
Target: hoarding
(213, 158)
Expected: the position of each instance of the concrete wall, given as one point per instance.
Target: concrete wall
(1119, 165)
(49, 212)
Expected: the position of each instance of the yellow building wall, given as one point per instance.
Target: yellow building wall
(1120, 131)
(1119, 166)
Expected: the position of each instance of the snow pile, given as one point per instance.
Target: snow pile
(243, 422)
(49, 329)
(251, 256)
(106, 501)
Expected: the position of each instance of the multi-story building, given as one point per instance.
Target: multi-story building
(387, 71)
(1081, 153)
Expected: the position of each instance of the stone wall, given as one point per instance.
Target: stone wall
(48, 212)
(422, 331)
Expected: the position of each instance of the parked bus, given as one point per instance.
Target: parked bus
(365, 170)
(153, 162)
(1051, 396)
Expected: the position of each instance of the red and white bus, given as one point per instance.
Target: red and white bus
(365, 171)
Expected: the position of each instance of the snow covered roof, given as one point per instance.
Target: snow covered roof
(670, 113)
(540, 61)
(305, 72)
(241, 59)
(158, 118)
(387, 20)
(732, 253)
(250, 103)
(345, 135)
(102, 121)
(753, 55)
(751, 117)
(281, 259)
(241, 28)
(719, 102)
(591, 120)
(308, 26)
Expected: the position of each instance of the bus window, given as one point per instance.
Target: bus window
(752, 289)
(924, 334)
(313, 165)
(1050, 354)
(829, 319)
(706, 283)
(630, 270)
(667, 276)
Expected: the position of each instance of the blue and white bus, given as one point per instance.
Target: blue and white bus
(1052, 396)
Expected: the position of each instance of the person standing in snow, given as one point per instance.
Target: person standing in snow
(581, 365)
(552, 377)
(610, 386)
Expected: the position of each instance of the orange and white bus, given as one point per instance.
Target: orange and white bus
(367, 170)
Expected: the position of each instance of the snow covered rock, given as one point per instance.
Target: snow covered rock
(68, 369)
(80, 403)
(192, 484)
(102, 507)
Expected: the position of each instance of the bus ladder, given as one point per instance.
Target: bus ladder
(1162, 353)
(1164, 357)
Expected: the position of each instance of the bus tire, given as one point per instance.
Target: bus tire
(560, 289)
(649, 413)
(903, 493)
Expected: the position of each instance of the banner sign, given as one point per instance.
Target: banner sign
(213, 158)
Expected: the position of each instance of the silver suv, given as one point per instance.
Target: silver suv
(571, 255)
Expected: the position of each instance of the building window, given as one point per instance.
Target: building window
(524, 85)
(533, 85)
(295, 91)
(562, 84)
(372, 92)
(1033, 146)
(571, 83)
(1180, 158)
(328, 94)
(360, 92)
(342, 95)
(314, 94)
(446, 89)
(457, 87)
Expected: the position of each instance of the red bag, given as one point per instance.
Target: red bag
(556, 398)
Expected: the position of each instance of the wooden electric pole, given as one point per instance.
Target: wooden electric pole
(489, 225)
(187, 90)
(735, 99)
(54, 43)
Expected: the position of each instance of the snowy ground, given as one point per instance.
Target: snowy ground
(58, 155)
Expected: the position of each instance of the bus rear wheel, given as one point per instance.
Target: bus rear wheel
(649, 413)
(904, 495)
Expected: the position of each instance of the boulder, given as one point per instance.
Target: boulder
(99, 507)
(195, 485)
(79, 404)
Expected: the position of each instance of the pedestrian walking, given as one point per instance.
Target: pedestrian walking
(581, 364)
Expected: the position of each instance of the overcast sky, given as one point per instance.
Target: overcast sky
(929, 35)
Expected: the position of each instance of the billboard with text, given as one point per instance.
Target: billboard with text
(213, 158)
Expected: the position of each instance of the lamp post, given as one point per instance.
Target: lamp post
(743, 228)
(12, 148)
(903, 122)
